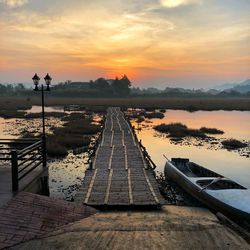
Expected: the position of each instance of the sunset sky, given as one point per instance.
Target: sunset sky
(159, 43)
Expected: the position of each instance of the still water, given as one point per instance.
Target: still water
(235, 124)
(66, 173)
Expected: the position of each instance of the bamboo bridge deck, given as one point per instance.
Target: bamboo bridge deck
(119, 175)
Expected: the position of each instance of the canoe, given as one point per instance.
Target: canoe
(215, 191)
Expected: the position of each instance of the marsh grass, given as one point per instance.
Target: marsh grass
(233, 144)
(8, 114)
(47, 114)
(213, 131)
(55, 149)
(151, 103)
(76, 133)
(153, 115)
(179, 130)
(74, 116)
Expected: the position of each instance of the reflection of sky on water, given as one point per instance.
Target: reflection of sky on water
(235, 124)
(66, 175)
(38, 109)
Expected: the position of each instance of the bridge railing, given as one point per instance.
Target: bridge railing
(146, 156)
(25, 155)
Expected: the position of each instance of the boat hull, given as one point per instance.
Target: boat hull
(171, 172)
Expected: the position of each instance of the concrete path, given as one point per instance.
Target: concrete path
(28, 215)
(172, 228)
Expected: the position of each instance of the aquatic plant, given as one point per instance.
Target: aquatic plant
(211, 131)
(179, 130)
(233, 144)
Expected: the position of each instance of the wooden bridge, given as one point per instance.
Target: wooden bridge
(120, 174)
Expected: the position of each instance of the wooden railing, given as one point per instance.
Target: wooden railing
(146, 156)
(25, 156)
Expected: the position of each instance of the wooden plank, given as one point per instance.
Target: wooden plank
(119, 123)
(96, 155)
(132, 135)
(112, 139)
(144, 162)
(90, 187)
(126, 157)
(150, 187)
(130, 188)
(111, 157)
(108, 188)
(123, 144)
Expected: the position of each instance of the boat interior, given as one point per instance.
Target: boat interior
(191, 169)
(206, 178)
(218, 184)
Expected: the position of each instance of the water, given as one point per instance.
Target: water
(38, 109)
(66, 174)
(235, 124)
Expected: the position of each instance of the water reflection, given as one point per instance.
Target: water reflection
(38, 109)
(235, 124)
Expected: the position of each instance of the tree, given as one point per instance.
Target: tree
(121, 87)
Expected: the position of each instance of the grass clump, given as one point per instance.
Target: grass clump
(74, 134)
(74, 116)
(8, 114)
(55, 149)
(140, 119)
(47, 114)
(213, 131)
(153, 115)
(233, 144)
(82, 127)
(179, 130)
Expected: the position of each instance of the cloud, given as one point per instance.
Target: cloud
(14, 3)
(176, 3)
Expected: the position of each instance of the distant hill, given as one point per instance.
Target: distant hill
(242, 87)
(225, 86)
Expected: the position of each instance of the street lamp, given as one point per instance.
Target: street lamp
(47, 80)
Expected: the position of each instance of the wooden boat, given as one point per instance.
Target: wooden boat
(217, 192)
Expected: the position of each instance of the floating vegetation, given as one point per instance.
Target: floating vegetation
(140, 119)
(74, 134)
(232, 144)
(179, 130)
(152, 115)
(8, 114)
(213, 131)
(47, 114)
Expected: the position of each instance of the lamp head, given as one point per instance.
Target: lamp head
(47, 80)
(36, 80)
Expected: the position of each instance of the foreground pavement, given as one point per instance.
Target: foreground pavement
(28, 215)
(171, 228)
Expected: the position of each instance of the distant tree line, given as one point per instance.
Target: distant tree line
(118, 87)
(11, 89)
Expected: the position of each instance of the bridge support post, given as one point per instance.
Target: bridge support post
(44, 153)
(14, 170)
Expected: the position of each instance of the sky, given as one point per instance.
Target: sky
(156, 43)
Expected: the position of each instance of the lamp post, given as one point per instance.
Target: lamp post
(47, 80)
